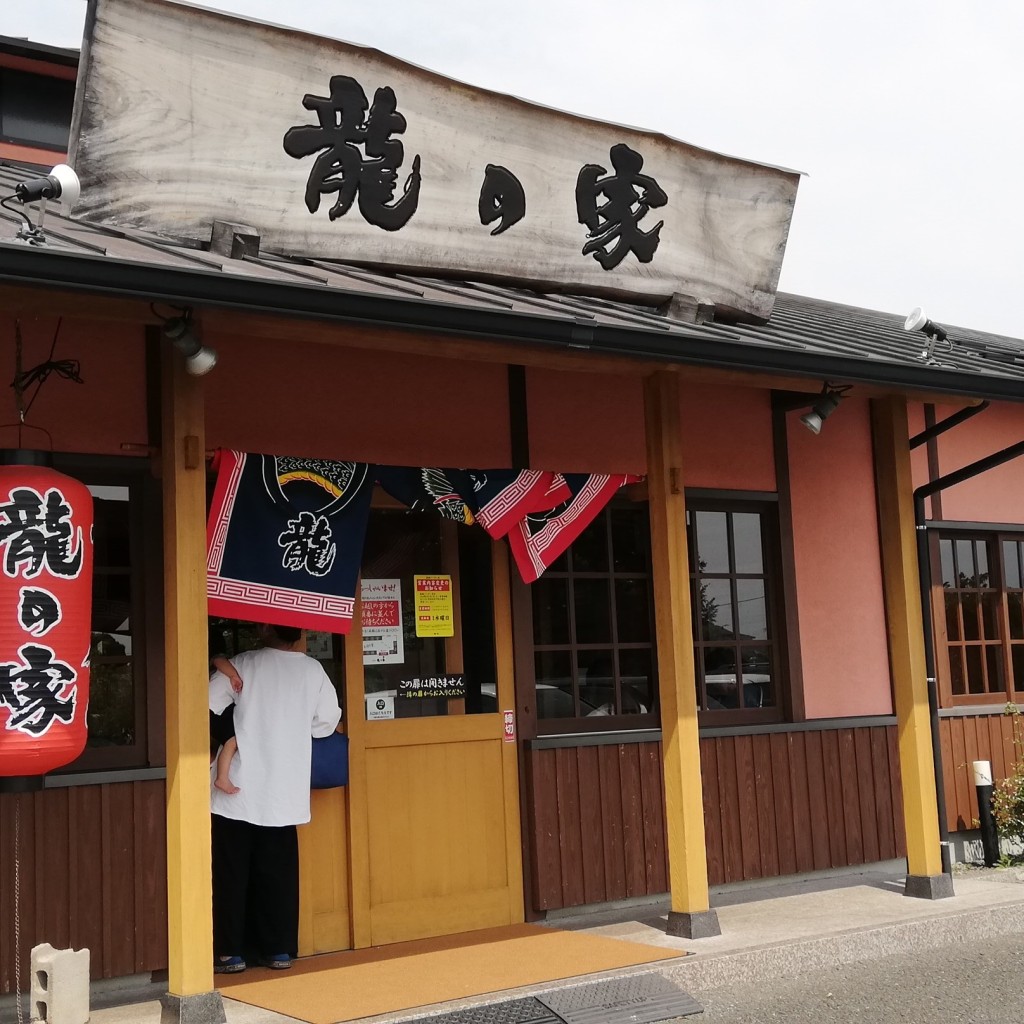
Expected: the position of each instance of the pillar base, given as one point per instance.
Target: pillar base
(929, 887)
(202, 1008)
(702, 925)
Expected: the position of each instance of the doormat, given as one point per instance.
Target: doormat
(340, 987)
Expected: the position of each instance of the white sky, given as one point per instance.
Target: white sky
(906, 115)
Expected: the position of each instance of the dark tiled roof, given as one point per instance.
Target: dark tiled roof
(805, 337)
(24, 47)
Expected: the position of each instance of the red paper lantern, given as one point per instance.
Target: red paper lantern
(46, 523)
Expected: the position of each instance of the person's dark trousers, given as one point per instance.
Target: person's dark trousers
(255, 880)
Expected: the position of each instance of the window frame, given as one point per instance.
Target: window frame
(526, 683)
(765, 504)
(47, 82)
(992, 535)
(145, 544)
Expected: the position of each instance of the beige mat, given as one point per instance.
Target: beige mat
(345, 986)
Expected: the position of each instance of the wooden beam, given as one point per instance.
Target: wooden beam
(690, 915)
(24, 301)
(358, 807)
(504, 663)
(894, 487)
(227, 327)
(189, 896)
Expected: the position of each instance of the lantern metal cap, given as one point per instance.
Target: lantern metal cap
(21, 783)
(25, 457)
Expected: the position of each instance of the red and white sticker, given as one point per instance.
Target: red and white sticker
(509, 735)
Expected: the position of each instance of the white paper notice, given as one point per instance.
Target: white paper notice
(382, 622)
(379, 706)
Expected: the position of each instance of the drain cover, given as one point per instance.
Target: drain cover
(515, 1011)
(640, 999)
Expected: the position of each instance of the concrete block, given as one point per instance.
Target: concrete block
(60, 985)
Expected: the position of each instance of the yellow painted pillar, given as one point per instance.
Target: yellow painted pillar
(690, 914)
(189, 893)
(895, 489)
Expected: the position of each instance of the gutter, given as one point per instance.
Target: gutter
(38, 267)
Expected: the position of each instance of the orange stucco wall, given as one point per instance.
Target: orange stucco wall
(361, 405)
(587, 422)
(727, 438)
(996, 496)
(840, 600)
(95, 417)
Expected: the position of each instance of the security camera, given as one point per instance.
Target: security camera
(61, 183)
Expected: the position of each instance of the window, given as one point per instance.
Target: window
(732, 571)
(982, 616)
(594, 654)
(427, 628)
(35, 109)
(593, 634)
(123, 500)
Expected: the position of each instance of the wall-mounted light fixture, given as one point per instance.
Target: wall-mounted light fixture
(199, 358)
(917, 321)
(826, 404)
(61, 183)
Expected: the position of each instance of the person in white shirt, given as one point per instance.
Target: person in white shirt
(286, 699)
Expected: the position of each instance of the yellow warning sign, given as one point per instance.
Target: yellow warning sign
(435, 610)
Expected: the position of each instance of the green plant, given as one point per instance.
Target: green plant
(1008, 793)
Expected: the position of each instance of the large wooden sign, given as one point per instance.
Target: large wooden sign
(185, 116)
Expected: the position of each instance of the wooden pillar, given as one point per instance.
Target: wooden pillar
(504, 661)
(690, 914)
(189, 899)
(894, 486)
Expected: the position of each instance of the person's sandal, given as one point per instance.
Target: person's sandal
(277, 962)
(228, 965)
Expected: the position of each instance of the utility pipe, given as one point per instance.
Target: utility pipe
(947, 424)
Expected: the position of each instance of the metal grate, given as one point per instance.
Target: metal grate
(640, 999)
(516, 1011)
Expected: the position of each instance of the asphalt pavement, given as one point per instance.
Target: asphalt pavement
(981, 982)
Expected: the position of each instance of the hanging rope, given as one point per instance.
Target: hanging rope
(69, 369)
(17, 906)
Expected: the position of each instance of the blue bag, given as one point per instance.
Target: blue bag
(329, 764)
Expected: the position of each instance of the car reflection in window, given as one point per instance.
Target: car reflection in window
(552, 702)
(596, 698)
(599, 693)
(721, 690)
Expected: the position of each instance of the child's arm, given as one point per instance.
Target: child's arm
(223, 780)
(223, 665)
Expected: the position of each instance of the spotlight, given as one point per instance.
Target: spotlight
(61, 183)
(822, 409)
(917, 321)
(198, 358)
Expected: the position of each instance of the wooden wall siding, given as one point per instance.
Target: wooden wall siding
(93, 871)
(598, 824)
(975, 738)
(782, 803)
(774, 804)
